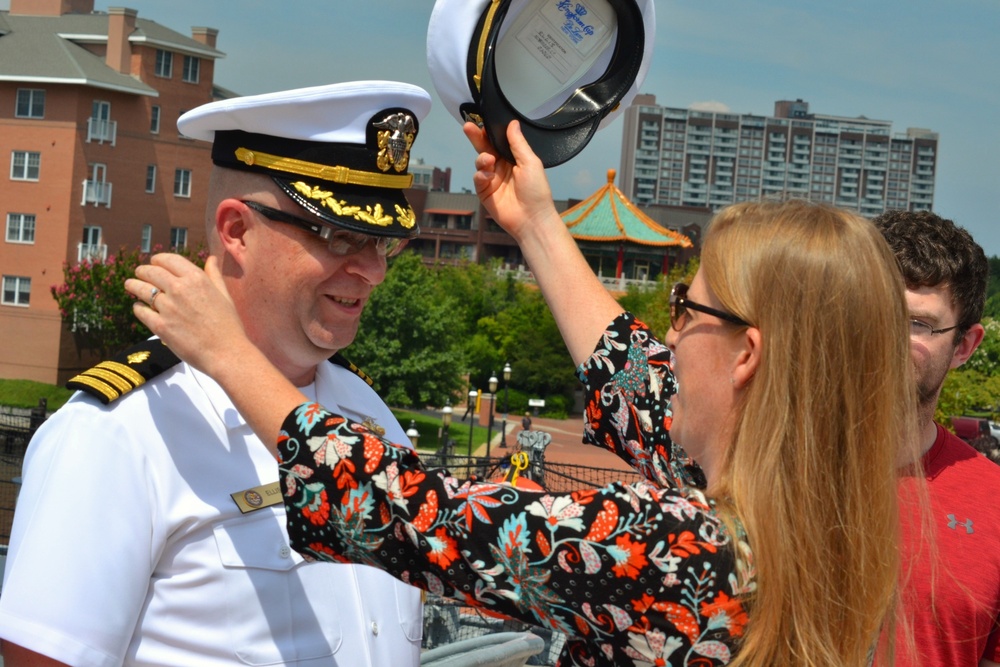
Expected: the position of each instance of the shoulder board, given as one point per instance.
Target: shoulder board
(339, 360)
(110, 380)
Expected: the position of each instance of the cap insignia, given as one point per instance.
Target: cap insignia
(396, 134)
(370, 424)
(372, 215)
(138, 357)
(473, 117)
(407, 218)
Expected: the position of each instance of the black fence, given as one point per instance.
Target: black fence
(16, 428)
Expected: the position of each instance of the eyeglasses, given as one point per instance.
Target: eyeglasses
(680, 304)
(923, 330)
(341, 242)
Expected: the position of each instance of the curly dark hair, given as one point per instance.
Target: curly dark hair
(932, 251)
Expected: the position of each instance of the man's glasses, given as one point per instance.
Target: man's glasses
(340, 241)
(923, 330)
(680, 305)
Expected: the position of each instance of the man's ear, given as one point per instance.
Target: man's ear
(231, 224)
(747, 358)
(968, 344)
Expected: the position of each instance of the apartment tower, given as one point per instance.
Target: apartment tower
(686, 157)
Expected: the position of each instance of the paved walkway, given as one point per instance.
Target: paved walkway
(566, 446)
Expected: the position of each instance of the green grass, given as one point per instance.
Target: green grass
(25, 394)
(428, 426)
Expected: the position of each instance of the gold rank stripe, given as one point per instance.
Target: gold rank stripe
(117, 381)
(128, 373)
(335, 174)
(258, 497)
(100, 386)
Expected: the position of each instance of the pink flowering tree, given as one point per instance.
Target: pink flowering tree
(94, 304)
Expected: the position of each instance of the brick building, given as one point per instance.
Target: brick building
(88, 108)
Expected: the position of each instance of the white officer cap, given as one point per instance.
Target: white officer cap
(563, 68)
(340, 151)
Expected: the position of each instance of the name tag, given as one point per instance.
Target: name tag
(258, 497)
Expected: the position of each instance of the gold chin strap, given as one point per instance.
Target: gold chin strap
(483, 37)
(343, 175)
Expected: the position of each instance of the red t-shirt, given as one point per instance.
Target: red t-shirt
(954, 603)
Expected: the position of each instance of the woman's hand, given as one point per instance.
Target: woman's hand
(517, 196)
(191, 310)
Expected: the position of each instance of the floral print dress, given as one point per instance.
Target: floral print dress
(635, 574)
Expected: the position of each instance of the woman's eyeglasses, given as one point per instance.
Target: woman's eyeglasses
(680, 305)
(341, 242)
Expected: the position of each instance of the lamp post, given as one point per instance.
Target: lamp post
(412, 433)
(446, 412)
(489, 422)
(506, 403)
(473, 395)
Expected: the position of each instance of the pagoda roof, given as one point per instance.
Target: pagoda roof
(607, 216)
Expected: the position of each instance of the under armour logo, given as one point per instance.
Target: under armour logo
(954, 523)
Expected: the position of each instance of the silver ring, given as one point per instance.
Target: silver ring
(152, 297)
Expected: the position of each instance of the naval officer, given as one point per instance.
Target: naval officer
(149, 528)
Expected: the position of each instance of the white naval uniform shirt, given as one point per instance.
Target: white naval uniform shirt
(127, 547)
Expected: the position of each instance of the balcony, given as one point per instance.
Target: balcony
(96, 193)
(91, 252)
(101, 131)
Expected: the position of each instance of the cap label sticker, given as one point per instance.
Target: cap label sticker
(563, 34)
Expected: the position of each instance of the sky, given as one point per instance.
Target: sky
(917, 63)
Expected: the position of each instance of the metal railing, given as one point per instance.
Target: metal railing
(16, 428)
(96, 193)
(93, 252)
(102, 131)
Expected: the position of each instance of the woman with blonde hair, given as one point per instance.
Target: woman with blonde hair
(793, 393)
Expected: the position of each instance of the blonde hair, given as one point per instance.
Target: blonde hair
(820, 431)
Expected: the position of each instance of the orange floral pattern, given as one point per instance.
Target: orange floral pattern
(635, 574)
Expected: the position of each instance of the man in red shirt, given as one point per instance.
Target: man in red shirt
(951, 592)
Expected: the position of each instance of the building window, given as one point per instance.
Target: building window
(91, 248)
(182, 183)
(154, 119)
(164, 64)
(147, 238)
(97, 189)
(16, 290)
(24, 165)
(30, 103)
(100, 127)
(178, 238)
(192, 67)
(20, 228)
(151, 178)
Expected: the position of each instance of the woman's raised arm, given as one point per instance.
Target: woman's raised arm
(519, 199)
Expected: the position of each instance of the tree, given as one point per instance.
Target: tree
(93, 301)
(406, 341)
(530, 340)
(967, 391)
(652, 306)
(993, 290)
